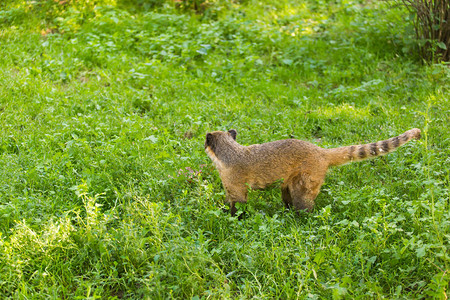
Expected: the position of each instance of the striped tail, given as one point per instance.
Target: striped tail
(343, 155)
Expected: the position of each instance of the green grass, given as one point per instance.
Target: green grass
(106, 191)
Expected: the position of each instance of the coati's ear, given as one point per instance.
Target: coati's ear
(210, 142)
(209, 139)
(233, 133)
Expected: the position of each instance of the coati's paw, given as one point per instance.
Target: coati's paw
(242, 215)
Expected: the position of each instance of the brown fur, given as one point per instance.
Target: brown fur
(301, 166)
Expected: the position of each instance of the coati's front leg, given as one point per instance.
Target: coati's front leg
(233, 209)
(235, 194)
(286, 196)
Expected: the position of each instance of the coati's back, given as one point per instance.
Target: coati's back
(288, 152)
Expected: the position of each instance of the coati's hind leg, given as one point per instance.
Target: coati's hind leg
(304, 190)
(286, 196)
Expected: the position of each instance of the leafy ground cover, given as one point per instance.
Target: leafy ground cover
(106, 191)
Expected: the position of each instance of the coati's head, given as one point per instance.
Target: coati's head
(219, 137)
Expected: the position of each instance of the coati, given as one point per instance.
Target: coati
(300, 165)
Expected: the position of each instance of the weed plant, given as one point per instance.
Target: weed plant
(106, 191)
(432, 27)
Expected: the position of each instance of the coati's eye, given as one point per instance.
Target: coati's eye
(233, 133)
